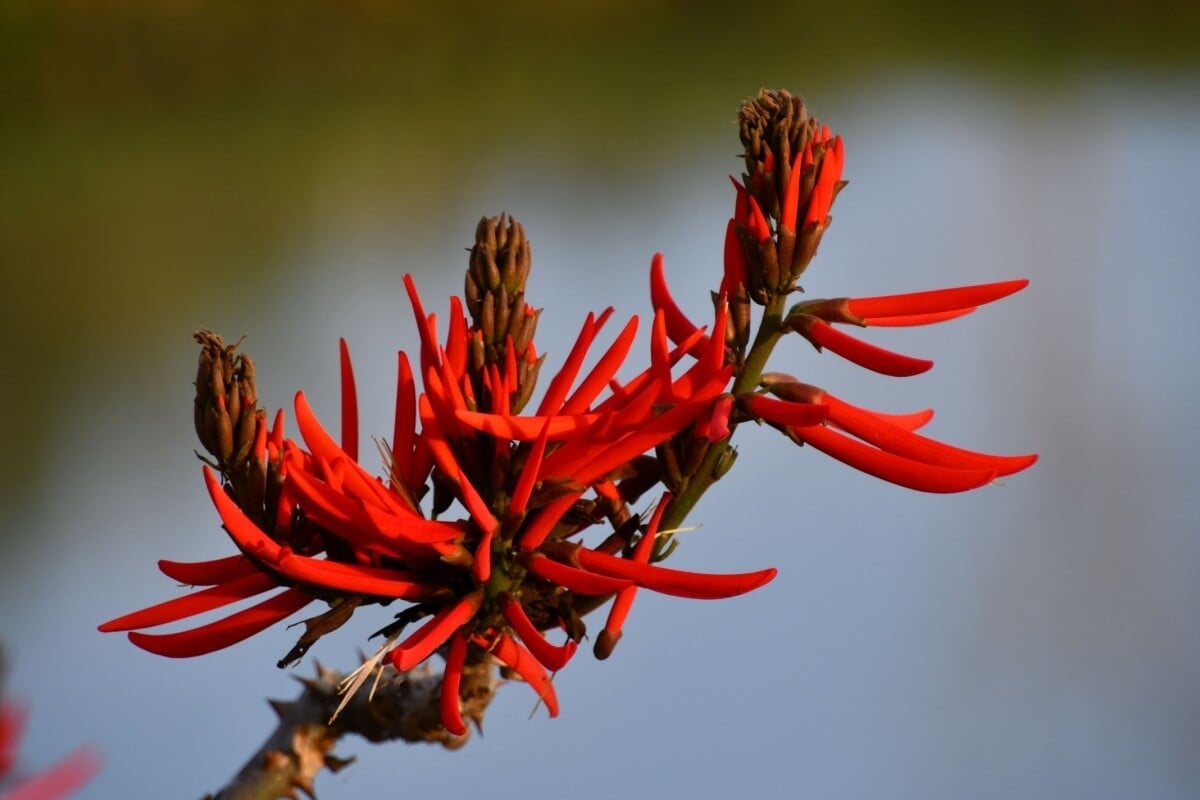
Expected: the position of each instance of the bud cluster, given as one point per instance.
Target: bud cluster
(793, 173)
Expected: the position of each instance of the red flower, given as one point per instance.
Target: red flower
(518, 562)
(514, 567)
(60, 780)
(883, 445)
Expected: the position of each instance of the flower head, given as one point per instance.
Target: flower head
(513, 566)
(501, 530)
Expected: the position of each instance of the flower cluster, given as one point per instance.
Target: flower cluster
(501, 529)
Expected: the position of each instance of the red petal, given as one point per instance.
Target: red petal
(349, 404)
(864, 354)
(674, 582)
(528, 476)
(527, 429)
(894, 439)
(791, 197)
(912, 320)
(59, 780)
(433, 634)
(577, 580)
(892, 468)
(208, 573)
(736, 270)
(903, 305)
(552, 657)
(241, 529)
(782, 412)
(356, 578)
(451, 681)
(603, 372)
(521, 661)
(192, 604)
(225, 632)
(561, 383)
(679, 327)
(404, 429)
(536, 531)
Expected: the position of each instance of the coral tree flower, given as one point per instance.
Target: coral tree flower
(516, 567)
(501, 529)
(57, 781)
(787, 148)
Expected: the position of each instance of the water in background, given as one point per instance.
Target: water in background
(1034, 639)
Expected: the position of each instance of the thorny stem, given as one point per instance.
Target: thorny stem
(405, 706)
(769, 332)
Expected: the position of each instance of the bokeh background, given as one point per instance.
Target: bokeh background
(273, 169)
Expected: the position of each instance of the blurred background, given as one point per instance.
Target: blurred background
(274, 169)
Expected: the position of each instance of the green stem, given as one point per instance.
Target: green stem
(746, 380)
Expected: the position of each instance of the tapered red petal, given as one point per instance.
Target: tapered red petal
(556, 393)
(935, 301)
(580, 581)
(679, 327)
(225, 632)
(241, 529)
(913, 320)
(357, 578)
(623, 602)
(189, 605)
(893, 468)
(894, 439)
(522, 662)
(208, 573)
(528, 477)
(674, 582)
(602, 373)
(451, 708)
(862, 353)
(349, 403)
(783, 412)
(433, 634)
(527, 429)
(552, 657)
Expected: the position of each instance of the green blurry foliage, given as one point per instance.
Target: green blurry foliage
(155, 157)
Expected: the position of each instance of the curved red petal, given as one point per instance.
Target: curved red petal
(894, 439)
(784, 412)
(192, 604)
(674, 582)
(349, 403)
(433, 634)
(577, 580)
(528, 477)
(208, 573)
(863, 353)
(241, 529)
(522, 662)
(225, 632)
(552, 657)
(937, 300)
(892, 468)
(357, 578)
(527, 429)
(913, 320)
(606, 367)
(451, 708)
(679, 327)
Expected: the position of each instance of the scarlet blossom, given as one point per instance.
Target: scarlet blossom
(515, 568)
(60, 780)
(499, 530)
